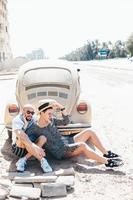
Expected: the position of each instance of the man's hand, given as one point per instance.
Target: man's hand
(57, 105)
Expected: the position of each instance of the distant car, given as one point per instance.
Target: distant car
(59, 80)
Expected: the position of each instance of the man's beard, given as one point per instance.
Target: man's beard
(27, 119)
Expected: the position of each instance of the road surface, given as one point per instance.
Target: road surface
(110, 92)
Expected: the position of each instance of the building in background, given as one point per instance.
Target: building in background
(36, 54)
(5, 50)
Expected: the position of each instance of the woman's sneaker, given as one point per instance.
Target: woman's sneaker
(110, 154)
(20, 164)
(45, 166)
(114, 163)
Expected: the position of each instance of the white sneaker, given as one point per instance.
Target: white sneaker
(21, 164)
(45, 166)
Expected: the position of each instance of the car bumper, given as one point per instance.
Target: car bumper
(73, 128)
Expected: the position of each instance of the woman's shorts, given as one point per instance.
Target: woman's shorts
(71, 146)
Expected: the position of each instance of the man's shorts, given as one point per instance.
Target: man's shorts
(21, 152)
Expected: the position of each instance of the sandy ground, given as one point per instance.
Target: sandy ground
(111, 100)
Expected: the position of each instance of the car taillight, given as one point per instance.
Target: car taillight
(13, 109)
(82, 108)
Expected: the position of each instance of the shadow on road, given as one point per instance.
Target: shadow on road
(78, 163)
(8, 156)
(94, 170)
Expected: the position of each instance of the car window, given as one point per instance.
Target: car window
(52, 75)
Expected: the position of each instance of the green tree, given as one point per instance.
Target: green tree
(119, 49)
(129, 44)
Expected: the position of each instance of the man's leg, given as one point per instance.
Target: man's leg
(83, 148)
(22, 161)
(41, 140)
(86, 135)
(31, 147)
(44, 164)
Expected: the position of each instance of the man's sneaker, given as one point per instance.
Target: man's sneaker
(45, 166)
(114, 163)
(21, 164)
(110, 154)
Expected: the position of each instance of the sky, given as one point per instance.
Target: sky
(61, 26)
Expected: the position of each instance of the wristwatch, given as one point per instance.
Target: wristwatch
(62, 109)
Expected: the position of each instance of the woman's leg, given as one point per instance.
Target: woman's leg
(86, 135)
(83, 148)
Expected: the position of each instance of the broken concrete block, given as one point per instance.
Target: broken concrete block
(3, 193)
(31, 193)
(23, 184)
(65, 172)
(67, 180)
(35, 179)
(53, 189)
(11, 175)
(5, 182)
(36, 185)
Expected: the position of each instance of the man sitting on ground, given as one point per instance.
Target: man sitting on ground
(27, 145)
(74, 146)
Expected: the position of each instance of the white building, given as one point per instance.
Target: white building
(36, 54)
(5, 51)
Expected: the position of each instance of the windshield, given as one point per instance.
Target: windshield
(47, 75)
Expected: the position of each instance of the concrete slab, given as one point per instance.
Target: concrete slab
(65, 172)
(53, 189)
(35, 179)
(12, 175)
(3, 193)
(67, 180)
(31, 193)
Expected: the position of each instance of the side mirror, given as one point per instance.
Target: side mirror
(78, 70)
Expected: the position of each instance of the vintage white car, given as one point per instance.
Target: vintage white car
(54, 79)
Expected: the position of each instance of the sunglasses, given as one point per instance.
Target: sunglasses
(30, 112)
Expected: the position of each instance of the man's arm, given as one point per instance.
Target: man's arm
(65, 118)
(24, 142)
(21, 137)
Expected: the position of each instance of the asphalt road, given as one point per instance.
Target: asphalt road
(103, 84)
(108, 88)
(100, 82)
